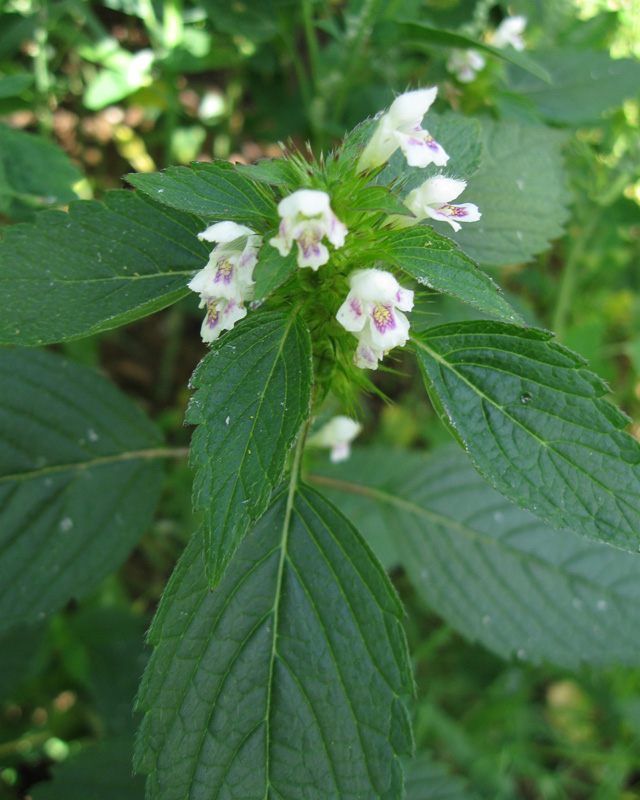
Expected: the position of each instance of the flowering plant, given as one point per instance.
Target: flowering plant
(280, 666)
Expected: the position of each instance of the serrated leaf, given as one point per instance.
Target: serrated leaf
(536, 424)
(101, 771)
(274, 171)
(79, 482)
(215, 191)
(252, 395)
(585, 84)
(521, 192)
(438, 263)
(494, 571)
(34, 173)
(271, 271)
(378, 198)
(426, 779)
(97, 267)
(286, 681)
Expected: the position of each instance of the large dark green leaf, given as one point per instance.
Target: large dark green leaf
(429, 780)
(33, 172)
(214, 191)
(494, 571)
(253, 394)
(438, 263)
(585, 83)
(521, 192)
(286, 680)
(97, 267)
(536, 424)
(79, 482)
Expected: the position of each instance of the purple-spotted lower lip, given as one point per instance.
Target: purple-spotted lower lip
(453, 211)
(311, 249)
(356, 307)
(213, 317)
(383, 318)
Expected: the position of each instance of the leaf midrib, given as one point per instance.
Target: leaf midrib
(79, 466)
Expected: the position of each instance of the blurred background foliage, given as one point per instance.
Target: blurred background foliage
(92, 90)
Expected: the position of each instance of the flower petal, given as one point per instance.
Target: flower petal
(404, 299)
(367, 357)
(411, 107)
(421, 149)
(352, 314)
(308, 202)
(374, 285)
(226, 231)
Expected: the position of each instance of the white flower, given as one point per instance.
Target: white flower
(373, 313)
(306, 218)
(221, 315)
(400, 127)
(227, 280)
(337, 434)
(509, 32)
(433, 199)
(464, 64)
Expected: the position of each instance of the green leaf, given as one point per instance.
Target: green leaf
(271, 271)
(99, 772)
(495, 572)
(286, 681)
(274, 171)
(358, 508)
(253, 394)
(79, 482)
(13, 85)
(438, 263)
(585, 84)
(97, 267)
(443, 38)
(34, 173)
(378, 198)
(428, 780)
(521, 192)
(535, 423)
(215, 191)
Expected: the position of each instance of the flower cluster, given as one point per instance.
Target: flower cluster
(373, 308)
(226, 283)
